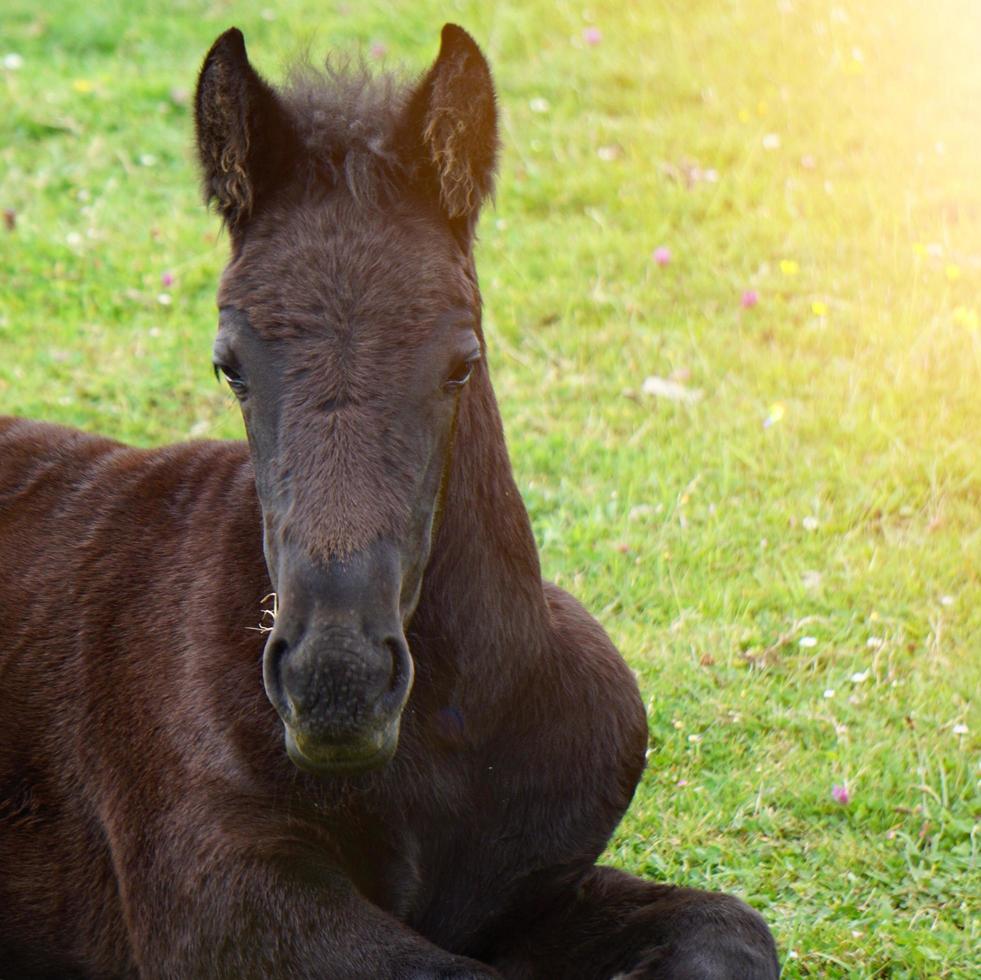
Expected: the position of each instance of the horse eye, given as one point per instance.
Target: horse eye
(235, 381)
(460, 374)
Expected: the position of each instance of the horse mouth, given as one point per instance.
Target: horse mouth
(326, 758)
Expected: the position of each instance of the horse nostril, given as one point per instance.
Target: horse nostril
(401, 676)
(276, 650)
(393, 646)
(272, 670)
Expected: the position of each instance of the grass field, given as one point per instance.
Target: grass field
(789, 555)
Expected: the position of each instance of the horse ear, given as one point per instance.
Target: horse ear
(243, 134)
(451, 126)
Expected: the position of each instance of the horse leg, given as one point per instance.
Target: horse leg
(220, 909)
(608, 925)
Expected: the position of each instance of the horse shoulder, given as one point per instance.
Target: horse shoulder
(586, 740)
(599, 691)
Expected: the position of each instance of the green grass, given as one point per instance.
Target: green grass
(709, 544)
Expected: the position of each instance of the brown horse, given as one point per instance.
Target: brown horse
(461, 738)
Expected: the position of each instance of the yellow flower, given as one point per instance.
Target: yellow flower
(82, 85)
(818, 308)
(744, 115)
(966, 317)
(789, 267)
(777, 412)
(762, 108)
(856, 64)
(953, 272)
(919, 248)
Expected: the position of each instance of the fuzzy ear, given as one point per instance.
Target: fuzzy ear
(243, 134)
(451, 127)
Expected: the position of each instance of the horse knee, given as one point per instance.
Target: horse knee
(728, 941)
(716, 937)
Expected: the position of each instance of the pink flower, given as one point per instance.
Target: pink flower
(592, 35)
(840, 794)
(749, 299)
(167, 279)
(662, 255)
(378, 50)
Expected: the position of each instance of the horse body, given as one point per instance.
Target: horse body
(137, 745)
(461, 738)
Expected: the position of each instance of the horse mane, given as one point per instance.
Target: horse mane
(346, 118)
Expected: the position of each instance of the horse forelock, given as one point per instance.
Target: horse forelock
(347, 118)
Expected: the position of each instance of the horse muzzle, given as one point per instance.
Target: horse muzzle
(340, 695)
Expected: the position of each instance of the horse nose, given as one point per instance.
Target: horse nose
(335, 673)
(336, 665)
(339, 693)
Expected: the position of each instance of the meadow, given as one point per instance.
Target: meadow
(731, 282)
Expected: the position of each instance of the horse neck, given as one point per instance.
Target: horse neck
(482, 610)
